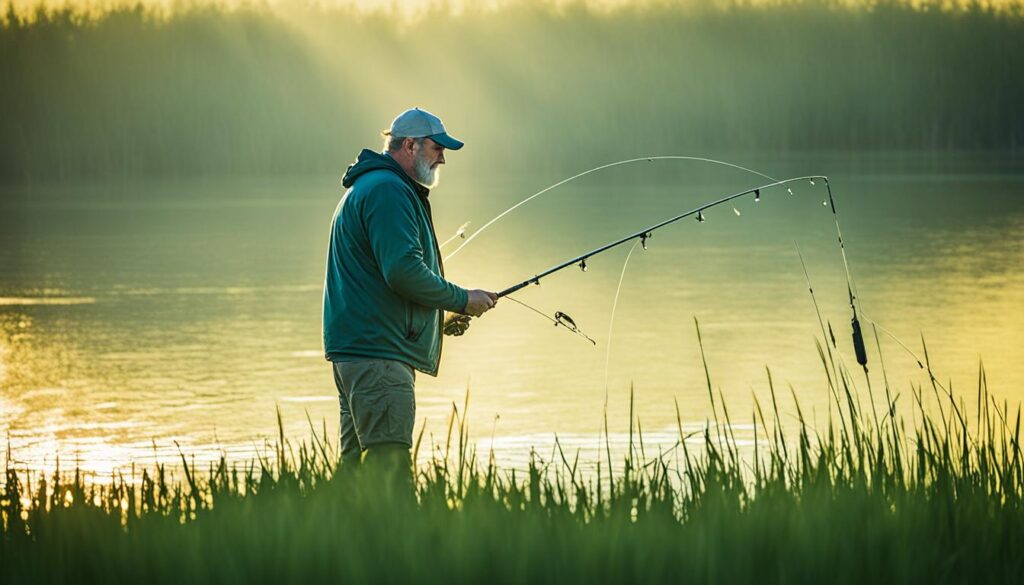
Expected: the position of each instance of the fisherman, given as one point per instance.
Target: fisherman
(385, 295)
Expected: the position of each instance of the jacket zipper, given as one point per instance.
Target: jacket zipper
(440, 265)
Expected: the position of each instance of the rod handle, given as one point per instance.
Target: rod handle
(513, 289)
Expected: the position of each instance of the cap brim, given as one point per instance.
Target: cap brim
(447, 141)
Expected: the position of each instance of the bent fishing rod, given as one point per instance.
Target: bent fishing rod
(644, 234)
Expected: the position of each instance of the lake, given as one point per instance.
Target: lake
(138, 319)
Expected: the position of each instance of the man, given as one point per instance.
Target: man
(385, 293)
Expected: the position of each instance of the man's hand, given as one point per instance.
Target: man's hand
(455, 324)
(480, 301)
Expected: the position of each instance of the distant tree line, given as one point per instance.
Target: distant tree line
(206, 90)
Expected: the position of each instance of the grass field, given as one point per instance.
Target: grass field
(865, 500)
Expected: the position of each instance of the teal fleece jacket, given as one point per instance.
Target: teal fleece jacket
(384, 290)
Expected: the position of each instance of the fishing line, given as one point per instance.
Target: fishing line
(817, 311)
(594, 170)
(611, 321)
(538, 311)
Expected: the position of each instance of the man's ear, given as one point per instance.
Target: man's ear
(409, 144)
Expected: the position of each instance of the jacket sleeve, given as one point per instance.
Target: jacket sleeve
(394, 235)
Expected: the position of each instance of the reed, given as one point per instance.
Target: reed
(863, 499)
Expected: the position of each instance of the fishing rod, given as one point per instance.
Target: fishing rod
(565, 319)
(858, 338)
(644, 234)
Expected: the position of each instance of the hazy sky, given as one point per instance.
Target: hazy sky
(413, 6)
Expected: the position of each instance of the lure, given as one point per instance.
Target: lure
(563, 319)
(560, 318)
(460, 234)
(567, 322)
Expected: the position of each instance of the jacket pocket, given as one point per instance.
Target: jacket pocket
(418, 321)
(410, 329)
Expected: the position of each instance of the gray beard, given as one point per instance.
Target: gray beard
(426, 176)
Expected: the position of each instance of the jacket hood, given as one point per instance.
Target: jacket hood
(369, 160)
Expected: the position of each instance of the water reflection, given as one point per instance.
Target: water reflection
(130, 333)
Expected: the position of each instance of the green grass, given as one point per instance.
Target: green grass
(864, 500)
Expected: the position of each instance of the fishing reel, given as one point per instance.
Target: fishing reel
(455, 324)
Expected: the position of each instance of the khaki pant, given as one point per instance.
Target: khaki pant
(377, 403)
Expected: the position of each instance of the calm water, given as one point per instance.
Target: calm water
(136, 319)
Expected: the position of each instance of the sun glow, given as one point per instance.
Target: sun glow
(417, 8)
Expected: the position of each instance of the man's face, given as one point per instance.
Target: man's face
(429, 156)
